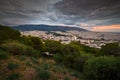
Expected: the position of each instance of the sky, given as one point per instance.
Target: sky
(94, 15)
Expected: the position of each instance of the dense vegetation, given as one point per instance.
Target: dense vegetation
(8, 33)
(24, 58)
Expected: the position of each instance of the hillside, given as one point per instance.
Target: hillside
(8, 33)
(31, 58)
(46, 28)
(30, 68)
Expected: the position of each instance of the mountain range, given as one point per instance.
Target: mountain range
(46, 28)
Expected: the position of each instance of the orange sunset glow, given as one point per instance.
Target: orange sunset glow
(107, 28)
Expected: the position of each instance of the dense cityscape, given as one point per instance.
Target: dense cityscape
(92, 39)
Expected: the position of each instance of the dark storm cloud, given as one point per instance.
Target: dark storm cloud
(83, 13)
(91, 10)
(88, 7)
(26, 10)
(36, 11)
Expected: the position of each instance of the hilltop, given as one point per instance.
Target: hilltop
(46, 28)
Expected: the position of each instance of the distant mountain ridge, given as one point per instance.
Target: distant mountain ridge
(46, 28)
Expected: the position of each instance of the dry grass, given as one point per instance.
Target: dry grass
(29, 72)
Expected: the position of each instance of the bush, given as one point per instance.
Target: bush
(67, 78)
(34, 60)
(12, 66)
(111, 49)
(7, 33)
(17, 48)
(46, 66)
(75, 60)
(14, 76)
(68, 54)
(22, 58)
(75, 74)
(3, 55)
(103, 68)
(86, 49)
(28, 63)
(43, 75)
(81, 60)
(34, 42)
(53, 46)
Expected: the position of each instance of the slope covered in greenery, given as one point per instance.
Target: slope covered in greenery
(31, 58)
(8, 33)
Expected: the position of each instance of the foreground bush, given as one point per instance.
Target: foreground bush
(3, 55)
(14, 76)
(75, 62)
(103, 68)
(73, 57)
(17, 48)
(12, 66)
(43, 75)
(81, 60)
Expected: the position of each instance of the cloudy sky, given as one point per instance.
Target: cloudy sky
(95, 15)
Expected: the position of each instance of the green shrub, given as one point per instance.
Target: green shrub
(67, 78)
(103, 68)
(81, 60)
(12, 66)
(58, 58)
(34, 60)
(86, 49)
(28, 63)
(34, 42)
(43, 75)
(22, 58)
(53, 46)
(75, 74)
(17, 48)
(7, 33)
(111, 49)
(14, 76)
(68, 54)
(76, 61)
(14, 47)
(46, 66)
(3, 55)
